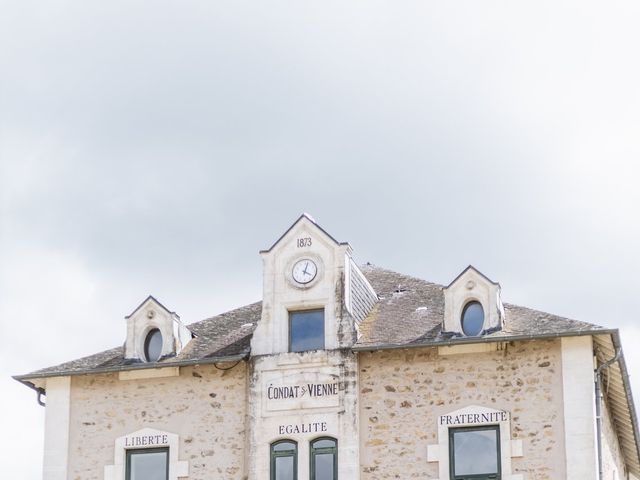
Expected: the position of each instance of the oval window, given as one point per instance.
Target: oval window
(153, 345)
(472, 319)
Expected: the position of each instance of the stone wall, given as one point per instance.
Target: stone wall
(205, 406)
(403, 392)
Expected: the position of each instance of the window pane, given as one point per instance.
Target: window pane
(472, 319)
(148, 466)
(324, 443)
(307, 330)
(284, 468)
(279, 447)
(475, 451)
(153, 345)
(323, 465)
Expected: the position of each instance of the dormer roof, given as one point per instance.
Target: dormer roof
(473, 288)
(154, 300)
(474, 269)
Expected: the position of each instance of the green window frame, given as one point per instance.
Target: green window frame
(278, 450)
(485, 433)
(146, 451)
(319, 447)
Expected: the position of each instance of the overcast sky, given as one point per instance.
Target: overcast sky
(155, 147)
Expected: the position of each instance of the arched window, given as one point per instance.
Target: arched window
(324, 459)
(284, 460)
(153, 345)
(472, 319)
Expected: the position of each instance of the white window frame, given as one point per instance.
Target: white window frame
(117, 471)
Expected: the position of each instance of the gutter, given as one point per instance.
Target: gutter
(39, 391)
(136, 366)
(470, 340)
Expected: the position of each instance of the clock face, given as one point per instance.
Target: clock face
(304, 271)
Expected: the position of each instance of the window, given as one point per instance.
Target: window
(306, 330)
(324, 459)
(153, 345)
(284, 460)
(475, 453)
(148, 464)
(472, 319)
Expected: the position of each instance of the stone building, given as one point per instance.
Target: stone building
(345, 372)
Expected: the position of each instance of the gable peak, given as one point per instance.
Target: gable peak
(151, 299)
(304, 218)
(471, 268)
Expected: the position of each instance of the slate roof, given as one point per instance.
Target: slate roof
(224, 337)
(409, 313)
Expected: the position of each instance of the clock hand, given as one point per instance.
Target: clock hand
(305, 268)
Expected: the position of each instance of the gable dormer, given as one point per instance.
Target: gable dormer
(472, 305)
(303, 306)
(154, 332)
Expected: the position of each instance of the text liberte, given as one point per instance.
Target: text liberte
(146, 440)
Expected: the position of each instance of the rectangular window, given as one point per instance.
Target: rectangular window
(306, 330)
(475, 453)
(148, 464)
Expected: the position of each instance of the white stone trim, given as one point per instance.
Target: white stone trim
(151, 315)
(149, 373)
(508, 448)
(177, 468)
(468, 348)
(516, 448)
(579, 408)
(56, 437)
(471, 285)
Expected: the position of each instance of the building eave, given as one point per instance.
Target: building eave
(24, 379)
(471, 340)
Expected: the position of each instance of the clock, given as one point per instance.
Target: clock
(304, 271)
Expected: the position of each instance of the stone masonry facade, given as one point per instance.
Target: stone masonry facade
(205, 406)
(402, 393)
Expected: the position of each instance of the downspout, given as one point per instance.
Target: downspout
(40, 391)
(598, 380)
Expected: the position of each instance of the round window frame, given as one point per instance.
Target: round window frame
(470, 302)
(146, 339)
